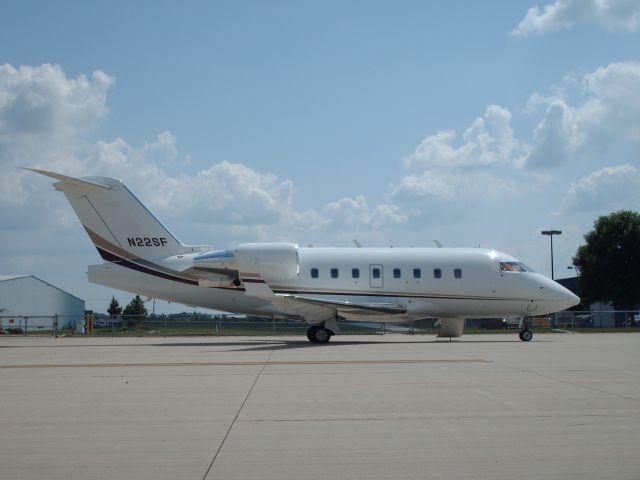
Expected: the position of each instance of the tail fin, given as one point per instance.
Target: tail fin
(118, 223)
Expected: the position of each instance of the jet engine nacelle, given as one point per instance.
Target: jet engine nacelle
(216, 259)
(272, 261)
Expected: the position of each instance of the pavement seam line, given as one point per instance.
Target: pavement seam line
(226, 435)
(242, 363)
(571, 382)
(588, 387)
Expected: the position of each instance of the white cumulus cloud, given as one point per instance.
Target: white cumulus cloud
(609, 113)
(45, 118)
(453, 186)
(445, 177)
(43, 101)
(487, 141)
(227, 193)
(355, 214)
(608, 189)
(231, 194)
(43, 115)
(609, 14)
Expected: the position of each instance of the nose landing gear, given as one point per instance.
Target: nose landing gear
(525, 334)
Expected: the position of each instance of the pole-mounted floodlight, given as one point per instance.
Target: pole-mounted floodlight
(551, 233)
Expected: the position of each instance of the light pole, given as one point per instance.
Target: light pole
(551, 233)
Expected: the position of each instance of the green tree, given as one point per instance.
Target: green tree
(609, 261)
(134, 310)
(114, 308)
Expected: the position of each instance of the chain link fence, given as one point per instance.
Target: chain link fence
(38, 324)
(229, 325)
(186, 324)
(221, 325)
(603, 320)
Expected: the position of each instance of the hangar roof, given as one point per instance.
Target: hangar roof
(4, 278)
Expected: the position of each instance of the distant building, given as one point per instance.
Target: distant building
(28, 296)
(570, 283)
(599, 314)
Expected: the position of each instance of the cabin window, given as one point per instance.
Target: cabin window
(334, 273)
(457, 273)
(375, 272)
(417, 273)
(355, 272)
(437, 273)
(397, 273)
(314, 273)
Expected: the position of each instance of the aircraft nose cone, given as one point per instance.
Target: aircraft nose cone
(552, 297)
(572, 300)
(567, 298)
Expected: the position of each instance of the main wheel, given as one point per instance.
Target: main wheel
(311, 334)
(525, 335)
(317, 334)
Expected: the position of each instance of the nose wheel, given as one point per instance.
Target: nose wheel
(525, 335)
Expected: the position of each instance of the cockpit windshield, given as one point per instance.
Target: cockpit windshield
(513, 267)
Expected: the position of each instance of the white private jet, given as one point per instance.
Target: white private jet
(319, 286)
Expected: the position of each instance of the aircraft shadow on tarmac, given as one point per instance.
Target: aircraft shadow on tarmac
(259, 345)
(266, 345)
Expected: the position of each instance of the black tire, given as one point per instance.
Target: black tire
(526, 335)
(318, 334)
(311, 334)
(323, 335)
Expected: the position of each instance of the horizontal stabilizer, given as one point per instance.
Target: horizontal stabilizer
(70, 180)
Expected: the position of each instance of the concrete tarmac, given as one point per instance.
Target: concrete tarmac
(564, 406)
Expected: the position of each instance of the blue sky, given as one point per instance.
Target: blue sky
(396, 123)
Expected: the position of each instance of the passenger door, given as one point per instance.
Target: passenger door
(375, 276)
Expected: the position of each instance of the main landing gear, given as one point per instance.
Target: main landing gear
(319, 334)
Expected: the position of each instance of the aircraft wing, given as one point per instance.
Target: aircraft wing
(315, 310)
(353, 308)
